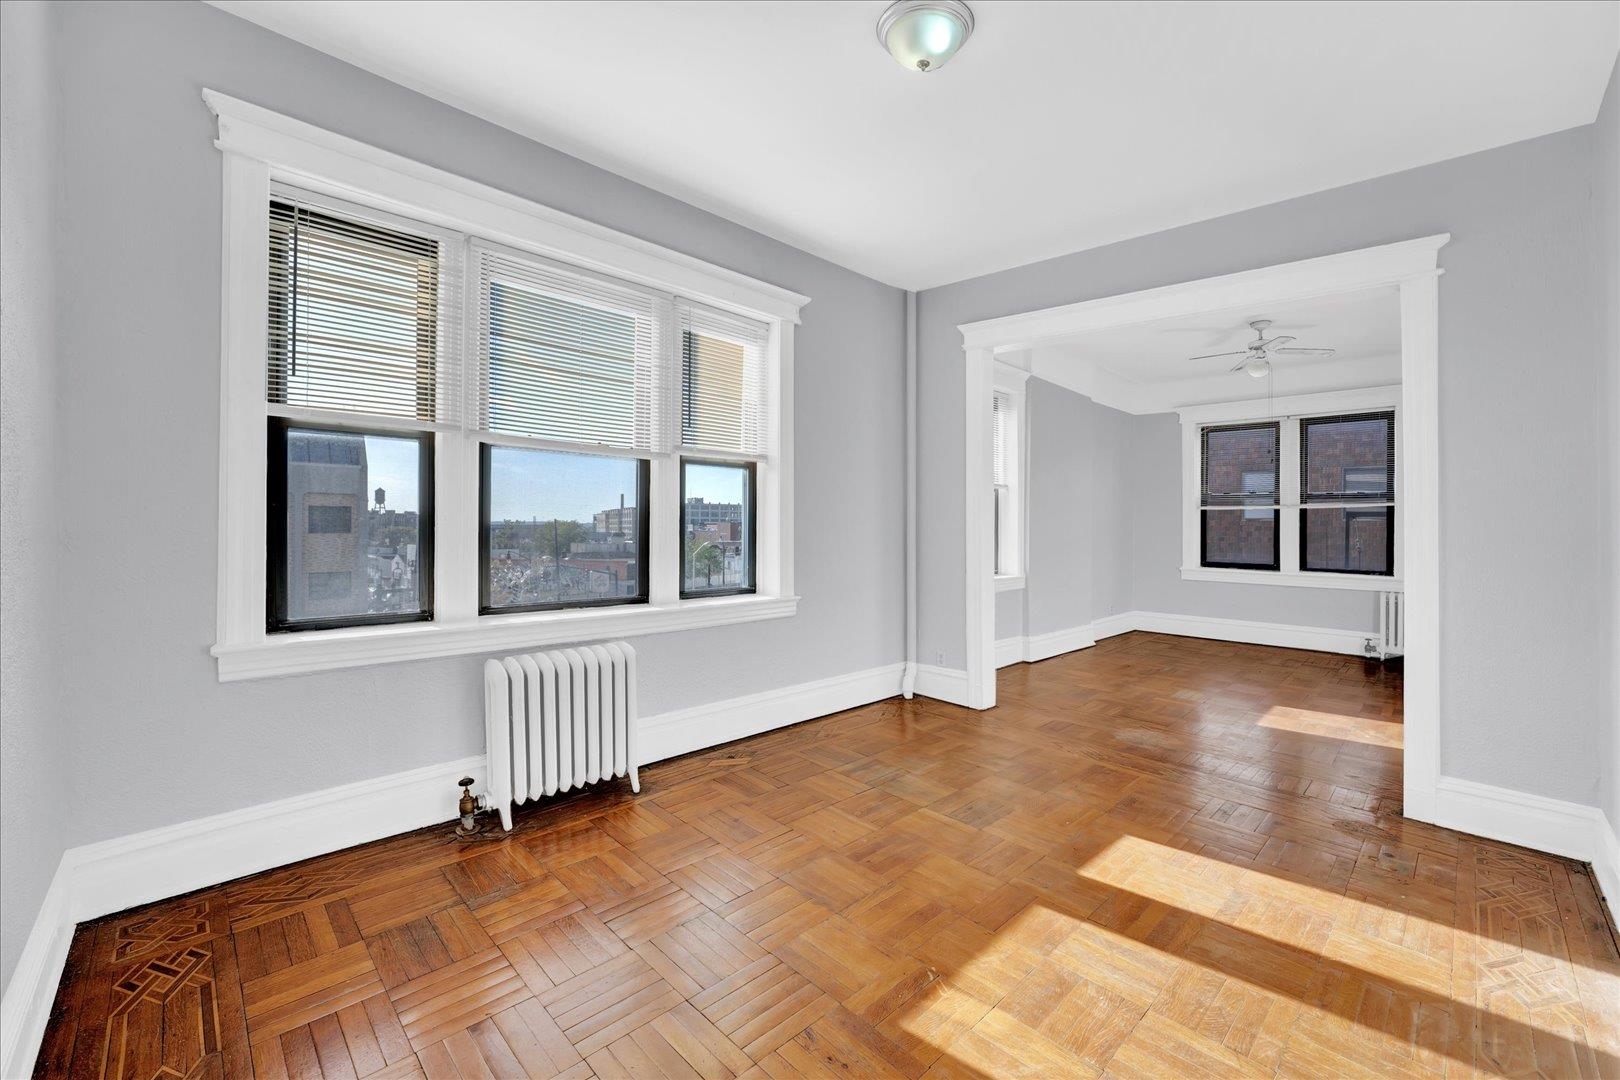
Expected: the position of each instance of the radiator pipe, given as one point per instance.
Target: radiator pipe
(908, 679)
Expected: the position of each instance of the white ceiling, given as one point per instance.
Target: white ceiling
(1060, 126)
(1148, 368)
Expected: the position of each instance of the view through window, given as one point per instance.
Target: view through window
(717, 524)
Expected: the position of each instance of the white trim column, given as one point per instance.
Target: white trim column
(1420, 539)
(979, 567)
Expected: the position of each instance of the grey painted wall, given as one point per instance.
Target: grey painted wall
(1606, 200)
(1080, 509)
(1155, 481)
(1522, 707)
(139, 402)
(31, 734)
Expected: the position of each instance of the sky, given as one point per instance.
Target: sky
(538, 483)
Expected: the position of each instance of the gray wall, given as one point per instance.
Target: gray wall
(139, 407)
(1080, 509)
(1606, 199)
(31, 734)
(1155, 481)
(1522, 707)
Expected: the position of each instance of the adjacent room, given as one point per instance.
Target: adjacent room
(724, 538)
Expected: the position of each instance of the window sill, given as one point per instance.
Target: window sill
(328, 650)
(1299, 579)
(1009, 582)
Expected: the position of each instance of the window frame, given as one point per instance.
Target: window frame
(1204, 510)
(262, 150)
(643, 517)
(1012, 514)
(751, 542)
(1350, 505)
(1288, 412)
(276, 533)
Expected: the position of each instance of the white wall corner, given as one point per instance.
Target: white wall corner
(32, 990)
(943, 684)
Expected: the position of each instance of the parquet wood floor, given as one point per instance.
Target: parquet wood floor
(1159, 857)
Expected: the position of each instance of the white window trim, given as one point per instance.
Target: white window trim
(1012, 382)
(1287, 411)
(261, 147)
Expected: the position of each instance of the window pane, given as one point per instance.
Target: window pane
(717, 516)
(723, 384)
(561, 530)
(1240, 538)
(1240, 466)
(354, 526)
(353, 320)
(1348, 458)
(1353, 540)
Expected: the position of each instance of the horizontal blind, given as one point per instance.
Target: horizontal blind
(353, 316)
(1000, 407)
(1238, 465)
(1348, 458)
(565, 355)
(723, 384)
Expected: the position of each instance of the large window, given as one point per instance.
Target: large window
(1238, 498)
(561, 530)
(569, 418)
(1303, 498)
(1347, 493)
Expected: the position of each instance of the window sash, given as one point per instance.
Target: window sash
(485, 507)
(1362, 510)
(1241, 496)
(724, 394)
(277, 539)
(1343, 496)
(750, 530)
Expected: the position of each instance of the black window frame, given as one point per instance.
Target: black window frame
(1389, 495)
(750, 471)
(1204, 509)
(643, 523)
(276, 575)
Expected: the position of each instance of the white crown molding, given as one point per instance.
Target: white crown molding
(1283, 283)
(338, 165)
(1321, 404)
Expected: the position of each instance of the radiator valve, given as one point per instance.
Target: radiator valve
(468, 809)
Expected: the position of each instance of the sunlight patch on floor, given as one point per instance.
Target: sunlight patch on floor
(1334, 726)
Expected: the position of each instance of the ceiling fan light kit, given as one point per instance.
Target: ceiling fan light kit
(922, 35)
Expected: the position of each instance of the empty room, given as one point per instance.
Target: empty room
(809, 538)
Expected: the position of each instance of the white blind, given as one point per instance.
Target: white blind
(1000, 452)
(723, 384)
(564, 355)
(354, 316)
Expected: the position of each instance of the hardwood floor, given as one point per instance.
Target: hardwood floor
(1159, 857)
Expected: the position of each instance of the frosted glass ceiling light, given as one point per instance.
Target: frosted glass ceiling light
(923, 34)
(1258, 367)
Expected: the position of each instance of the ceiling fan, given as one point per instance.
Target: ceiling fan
(1256, 358)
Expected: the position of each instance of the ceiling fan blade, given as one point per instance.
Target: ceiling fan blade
(1280, 339)
(1240, 365)
(1218, 355)
(1306, 352)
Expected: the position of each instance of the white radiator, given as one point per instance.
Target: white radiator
(558, 720)
(1391, 624)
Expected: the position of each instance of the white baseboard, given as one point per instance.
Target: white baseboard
(944, 684)
(1562, 828)
(32, 989)
(102, 878)
(671, 734)
(1034, 647)
(1285, 635)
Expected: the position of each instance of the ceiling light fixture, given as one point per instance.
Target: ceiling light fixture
(1258, 367)
(923, 34)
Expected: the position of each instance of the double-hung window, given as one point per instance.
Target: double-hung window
(1007, 469)
(1306, 498)
(502, 426)
(353, 385)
